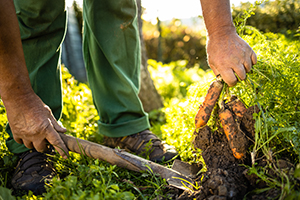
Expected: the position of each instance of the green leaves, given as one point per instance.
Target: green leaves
(5, 194)
(93, 180)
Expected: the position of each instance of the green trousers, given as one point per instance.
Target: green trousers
(111, 50)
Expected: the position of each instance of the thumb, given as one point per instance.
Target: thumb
(215, 70)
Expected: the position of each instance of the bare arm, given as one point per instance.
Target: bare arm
(227, 53)
(31, 121)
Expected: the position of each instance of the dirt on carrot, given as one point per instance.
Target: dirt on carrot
(208, 104)
(237, 107)
(225, 177)
(247, 122)
(236, 139)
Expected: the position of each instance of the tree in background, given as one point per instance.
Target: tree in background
(148, 94)
(177, 42)
(278, 16)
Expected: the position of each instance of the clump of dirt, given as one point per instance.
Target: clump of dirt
(225, 176)
(247, 122)
(228, 177)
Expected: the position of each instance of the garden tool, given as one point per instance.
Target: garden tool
(123, 159)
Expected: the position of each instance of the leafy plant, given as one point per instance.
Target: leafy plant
(5, 194)
(278, 16)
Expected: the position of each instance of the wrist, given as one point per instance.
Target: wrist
(221, 31)
(16, 92)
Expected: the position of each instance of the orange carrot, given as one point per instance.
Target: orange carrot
(237, 107)
(208, 104)
(237, 141)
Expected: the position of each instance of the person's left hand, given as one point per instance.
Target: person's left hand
(33, 124)
(230, 56)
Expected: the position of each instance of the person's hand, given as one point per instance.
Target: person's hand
(33, 124)
(31, 121)
(230, 56)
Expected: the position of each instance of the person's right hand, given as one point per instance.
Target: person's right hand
(230, 56)
(33, 124)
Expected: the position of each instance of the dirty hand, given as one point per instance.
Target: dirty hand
(230, 56)
(33, 124)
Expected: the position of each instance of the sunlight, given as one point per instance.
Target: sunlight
(169, 9)
(70, 2)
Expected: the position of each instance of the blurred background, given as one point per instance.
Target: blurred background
(172, 31)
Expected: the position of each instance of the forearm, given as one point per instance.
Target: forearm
(217, 16)
(228, 55)
(14, 78)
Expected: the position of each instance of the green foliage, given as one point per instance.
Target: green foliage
(278, 16)
(79, 115)
(180, 115)
(7, 159)
(172, 79)
(275, 85)
(5, 194)
(91, 181)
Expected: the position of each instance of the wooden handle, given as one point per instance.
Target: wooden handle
(97, 151)
(124, 159)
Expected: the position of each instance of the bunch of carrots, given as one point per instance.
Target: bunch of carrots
(230, 114)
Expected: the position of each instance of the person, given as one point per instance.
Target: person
(30, 83)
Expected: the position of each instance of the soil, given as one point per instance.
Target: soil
(226, 177)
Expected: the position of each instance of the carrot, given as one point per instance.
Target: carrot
(208, 104)
(237, 141)
(237, 107)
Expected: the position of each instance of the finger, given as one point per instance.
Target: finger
(54, 139)
(240, 72)
(18, 140)
(253, 58)
(229, 78)
(40, 146)
(57, 127)
(28, 144)
(248, 65)
(215, 70)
